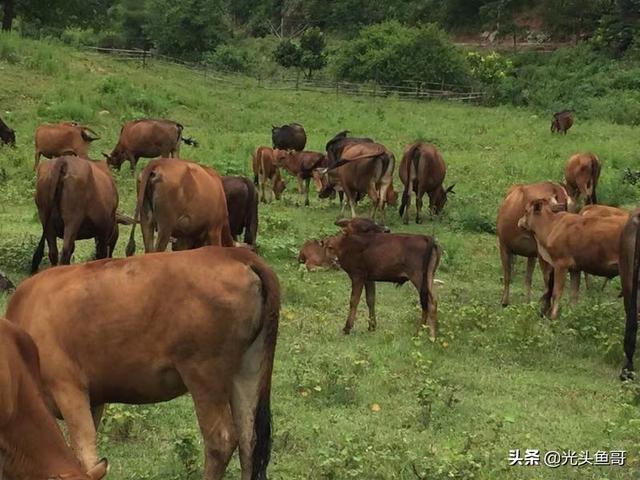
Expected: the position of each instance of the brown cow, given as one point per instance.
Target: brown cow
(302, 165)
(513, 240)
(338, 143)
(629, 274)
(561, 122)
(242, 206)
(65, 138)
(422, 170)
(30, 439)
(581, 174)
(603, 211)
(76, 199)
(264, 163)
(147, 138)
(314, 255)
(7, 134)
(574, 243)
(368, 254)
(183, 200)
(151, 328)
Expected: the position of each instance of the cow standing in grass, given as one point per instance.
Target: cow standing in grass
(242, 206)
(561, 122)
(581, 174)
(302, 166)
(289, 137)
(65, 138)
(266, 174)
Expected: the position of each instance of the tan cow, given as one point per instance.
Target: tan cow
(264, 163)
(513, 240)
(581, 174)
(603, 211)
(183, 200)
(151, 328)
(422, 170)
(302, 165)
(30, 441)
(76, 199)
(147, 138)
(574, 243)
(65, 138)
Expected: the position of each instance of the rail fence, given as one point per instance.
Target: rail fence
(409, 90)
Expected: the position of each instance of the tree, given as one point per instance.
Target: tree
(308, 56)
(8, 14)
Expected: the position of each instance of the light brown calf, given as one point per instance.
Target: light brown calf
(65, 138)
(264, 163)
(314, 255)
(581, 174)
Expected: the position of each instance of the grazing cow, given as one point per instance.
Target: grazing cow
(151, 328)
(302, 166)
(574, 243)
(5, 283)
(7, 135)
(242, 206)
(30, 439)
(65, 138)
(561, 122)
(147, 138)
(76, 199)
(264, 163)
(289, 137)
(368, 254)
(422, 170)
(581, 174)
(513, 240)
(629, 274)
(183, 200)
(314, 255)
(338, 143)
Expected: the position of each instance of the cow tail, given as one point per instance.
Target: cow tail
(52, 200)
(595, 173)
(142, 193)
(405, 194)
(251, 218)
(268, 335)
(254, 161)
(426, 261)
(631, 327)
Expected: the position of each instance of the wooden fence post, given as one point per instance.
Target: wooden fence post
(144, 58)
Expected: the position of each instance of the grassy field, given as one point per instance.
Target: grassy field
(381, 405)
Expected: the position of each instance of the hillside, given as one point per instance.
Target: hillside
(496, 379)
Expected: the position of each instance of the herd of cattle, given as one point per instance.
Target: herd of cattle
(150, 328)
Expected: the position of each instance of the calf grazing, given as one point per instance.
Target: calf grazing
(314, 255)
(183, 200)
(302, 165)
(289, 137)
(264, 163)
(572, 242)
(151, 328)
(513, 240)
(76, 199)
(368, 254)
(561, 122)
(7, 135)
(422, 170)
(66, 138)
(581, 174)
(242, 206)
(147, 138)
(30, 441)
(629, 274)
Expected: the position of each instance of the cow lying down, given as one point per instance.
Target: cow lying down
(314, 254)
(369, 254)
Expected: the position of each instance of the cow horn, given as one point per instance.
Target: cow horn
(322, 171)
(106, 155)
(342, 223)
(450, 188)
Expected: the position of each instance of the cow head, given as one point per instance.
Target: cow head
(438, 198)
(278, 187)
(280, 156)
(115, 160)
(323, 183)
(539, 212)
(360, 226)
(8, 136)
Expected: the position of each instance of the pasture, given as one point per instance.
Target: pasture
(376, 405)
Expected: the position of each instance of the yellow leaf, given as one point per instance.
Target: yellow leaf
(375, 407)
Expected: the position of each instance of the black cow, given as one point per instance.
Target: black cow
(289, 137)
(7, 135)
(242, 205)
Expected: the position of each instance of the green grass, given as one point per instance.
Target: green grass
(495, 379)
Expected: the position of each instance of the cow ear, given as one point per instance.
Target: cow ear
(537, 206)
(342, 223)
(450, 188)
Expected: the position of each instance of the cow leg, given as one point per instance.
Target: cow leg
(423, 281)
(588, 281)
(405, 216)
(300, 189)
(69, 241)
(575, 286)
(263, 196)
(306, 191)
(547, 276)
(356, 293)
(528, 279)
(148, 230)
(210, 389)
(96, 414)
(164, 236)
(37, 161)
(419, 196)
(559, 277)
(506, 259)
(375, 201)
(370, 294)
(102, 248)
(630, 336)
(52, 244)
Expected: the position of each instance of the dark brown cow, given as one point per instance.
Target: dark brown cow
(289, 137)
(330, 180)
(183, 200)
(7, 135)
(264, 163)
(242, 206)
(151, 328)
(31, 444)
(629, 273)
(422, 170)
(76, 199)
(513, 240)
(147, 138)
(65, 138)
(301, 165)
(338, 143)
(314, 255)
(581, 174)
(561, 122)
(569, 242)
(368, 254)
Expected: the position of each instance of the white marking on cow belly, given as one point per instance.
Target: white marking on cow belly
(544, 254)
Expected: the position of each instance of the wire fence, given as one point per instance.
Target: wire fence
(409, 90)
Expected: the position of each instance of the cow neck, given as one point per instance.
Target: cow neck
(39, 465)
(543, 228)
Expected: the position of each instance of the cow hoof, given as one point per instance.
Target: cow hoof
(505, 304)
(372, 328)
(627, 375)
(346, 331)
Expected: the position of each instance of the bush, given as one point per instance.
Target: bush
(390, 53)
(228, 58)
(79, 37)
